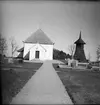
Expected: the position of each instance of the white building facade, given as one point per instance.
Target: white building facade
(38, 46)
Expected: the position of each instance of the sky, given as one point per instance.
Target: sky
(62, 22)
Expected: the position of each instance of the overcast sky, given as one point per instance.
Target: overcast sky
(60, 20)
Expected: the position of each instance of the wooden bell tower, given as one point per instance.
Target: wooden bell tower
(79, 51)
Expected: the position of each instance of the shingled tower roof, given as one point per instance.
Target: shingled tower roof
(80, 41)
(39, 37)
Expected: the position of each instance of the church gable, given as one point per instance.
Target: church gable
(38, 47)
(37, 52)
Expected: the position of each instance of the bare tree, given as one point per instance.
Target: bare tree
(14, 45)
(89, 57)
(3, 45)
(98, 53)
(71, 49)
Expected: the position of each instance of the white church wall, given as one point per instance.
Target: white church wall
(42, 54)
(27, 47)
(37, 48)
(49, 51)
(46, 51)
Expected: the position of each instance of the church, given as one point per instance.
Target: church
(37, 46)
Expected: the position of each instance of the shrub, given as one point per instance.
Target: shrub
(89, 66)
(20, 61)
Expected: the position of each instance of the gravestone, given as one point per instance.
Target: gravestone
(10, 60)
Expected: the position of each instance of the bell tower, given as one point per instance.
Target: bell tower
(79, 51)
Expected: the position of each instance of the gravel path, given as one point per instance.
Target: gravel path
(44, 87)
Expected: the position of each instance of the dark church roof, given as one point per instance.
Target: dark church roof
(20, 55)
(39, 37)
(80, 41)
(21, 49)
(26, 56)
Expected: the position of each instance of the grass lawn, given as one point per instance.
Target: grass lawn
(14, 77)
(82, 86)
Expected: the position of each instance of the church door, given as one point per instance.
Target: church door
(37, 54)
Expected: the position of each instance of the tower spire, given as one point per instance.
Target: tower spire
(80, 35)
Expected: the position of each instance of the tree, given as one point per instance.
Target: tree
(89, 57)
(61, 55)
(98, 53)
(71, 49)
(57, 54)
(3, 45)
(14, 45)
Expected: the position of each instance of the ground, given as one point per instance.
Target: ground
(82, 86)
(14, 77)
